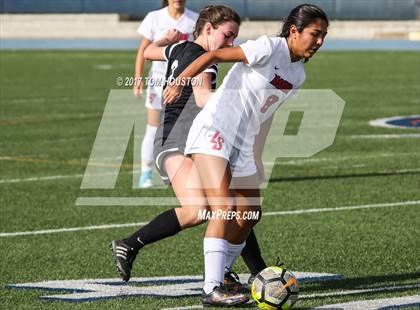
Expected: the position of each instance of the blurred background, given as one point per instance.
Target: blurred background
(31, 23)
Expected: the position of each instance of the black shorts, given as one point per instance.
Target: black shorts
(172, 134)
(163, 148)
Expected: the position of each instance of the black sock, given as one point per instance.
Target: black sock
(251, 254)
(162, 226)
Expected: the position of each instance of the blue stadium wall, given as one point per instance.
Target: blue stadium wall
(257, 9)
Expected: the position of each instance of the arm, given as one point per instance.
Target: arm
(139, 67)
(155, 51)
(230, 54)
(259, 147)
(202, 91)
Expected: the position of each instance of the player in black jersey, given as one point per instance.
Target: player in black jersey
(176, 120)
(217, 27)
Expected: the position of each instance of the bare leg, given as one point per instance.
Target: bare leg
(187, 187)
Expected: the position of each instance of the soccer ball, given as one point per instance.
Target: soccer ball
(275, 288)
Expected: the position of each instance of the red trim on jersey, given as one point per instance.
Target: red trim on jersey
(280, 83)
(183, 37)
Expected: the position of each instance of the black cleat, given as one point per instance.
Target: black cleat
(220, 297)
(231, 282)
(124, 257)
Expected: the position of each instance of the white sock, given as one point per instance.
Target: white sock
(147, 148)
(234, 250)
(215, 250)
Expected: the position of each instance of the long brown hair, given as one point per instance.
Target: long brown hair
(215, 15)
(301, 16)
(163, 3)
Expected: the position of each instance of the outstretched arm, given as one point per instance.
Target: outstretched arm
(155, 50)
(230, 54)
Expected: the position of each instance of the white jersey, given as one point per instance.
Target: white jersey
(251, 93)
(155, 25)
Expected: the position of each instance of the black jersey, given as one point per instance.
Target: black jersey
(182, 112)
(177, 118)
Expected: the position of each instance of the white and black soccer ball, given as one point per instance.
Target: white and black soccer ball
(275, 288)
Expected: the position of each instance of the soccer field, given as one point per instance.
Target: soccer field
(357, 203)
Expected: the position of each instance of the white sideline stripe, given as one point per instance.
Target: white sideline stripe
(362, 291)
(359, 305)
(304, 161)
(379, 205)
(51, 231)
(384, 303)
(53, 177)
(387, 136)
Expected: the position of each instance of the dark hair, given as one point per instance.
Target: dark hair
(215, 15)
(163, 3)
(301, 16)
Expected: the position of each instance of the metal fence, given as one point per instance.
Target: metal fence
(254, 10)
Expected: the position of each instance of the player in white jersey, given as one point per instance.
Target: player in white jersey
(217, 27)
(173, 15)
(227, 137)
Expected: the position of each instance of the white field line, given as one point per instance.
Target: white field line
(371, 206)
(362, 291)
(293, 212)
(49, 99)
(387, 136)
(383, 303)
(362, 166)
(53, 177)
(380, 302)
(49, 178)
(52, 231)
(344, 166)
(304, 161)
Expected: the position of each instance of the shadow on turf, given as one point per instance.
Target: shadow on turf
(342, 176)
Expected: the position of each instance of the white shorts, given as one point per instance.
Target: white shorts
(154, 97)
(208, 140)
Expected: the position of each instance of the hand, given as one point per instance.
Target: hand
(172, 93)
(173, 35)
(138, 89)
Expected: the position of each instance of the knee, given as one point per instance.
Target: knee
(192, 217)
(250, 218)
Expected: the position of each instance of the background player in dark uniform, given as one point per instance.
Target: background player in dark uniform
(217, 27)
